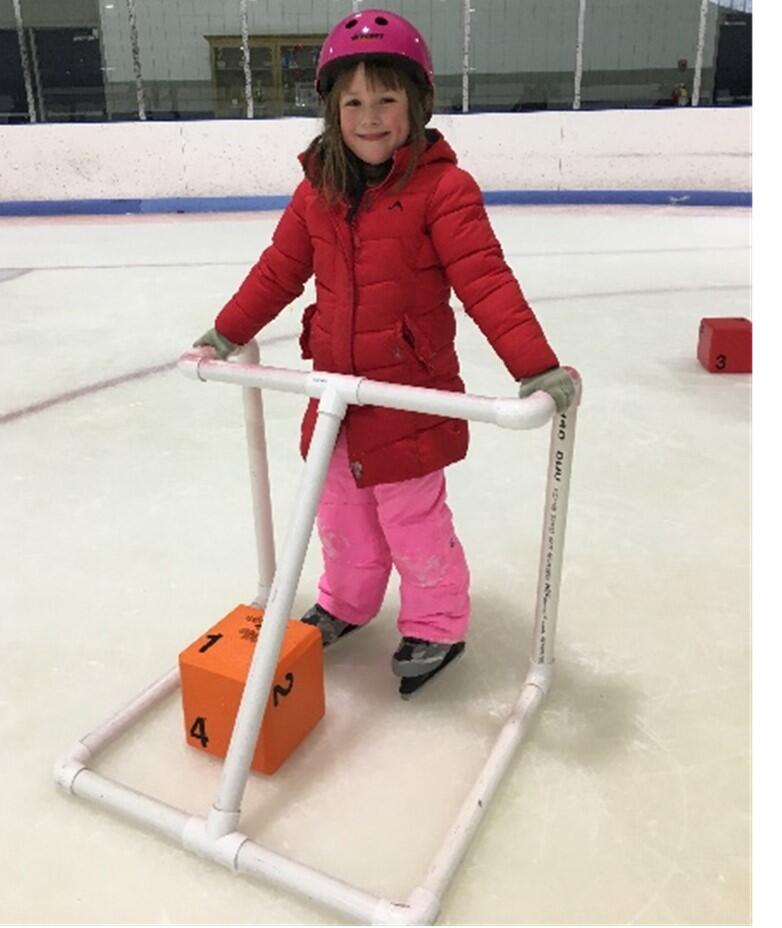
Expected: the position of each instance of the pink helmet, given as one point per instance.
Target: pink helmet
(372, 32)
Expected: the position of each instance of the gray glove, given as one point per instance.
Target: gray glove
(213, 339)
(556, 382)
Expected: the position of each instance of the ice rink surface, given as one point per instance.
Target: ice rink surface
(127, 532)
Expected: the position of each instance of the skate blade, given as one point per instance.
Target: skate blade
(409, 686)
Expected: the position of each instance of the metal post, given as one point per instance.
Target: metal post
(698, 76)
(248, 74)
(134, 51)
(579, 55)
(28, 81)
(466, 58)
(37, 77)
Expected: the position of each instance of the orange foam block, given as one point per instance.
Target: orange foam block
(213, 671)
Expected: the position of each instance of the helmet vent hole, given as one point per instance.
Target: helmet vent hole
(381, 20)
(351, 23)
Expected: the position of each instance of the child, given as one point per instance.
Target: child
(389, 224)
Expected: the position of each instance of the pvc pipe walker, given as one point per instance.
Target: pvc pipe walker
(217, 837)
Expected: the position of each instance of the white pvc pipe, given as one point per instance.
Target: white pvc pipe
(259, 480)
(241, 855)
(506, 412)
(139, 808)
(537, 682)
(538, 679)
(261, 863)
(200, 365)
(237, 852)
(118, 724)
(460, 834)
(552, 546)
(224, 816)
(510, 412)
(70, 766)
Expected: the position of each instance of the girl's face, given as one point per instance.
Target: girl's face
(373, 120)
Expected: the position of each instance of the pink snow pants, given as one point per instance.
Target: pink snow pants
(363, 532)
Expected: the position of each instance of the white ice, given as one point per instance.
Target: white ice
(127, 532)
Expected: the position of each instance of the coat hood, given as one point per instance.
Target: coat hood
(437, 149)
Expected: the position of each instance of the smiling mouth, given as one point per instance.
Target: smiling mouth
(373, 137)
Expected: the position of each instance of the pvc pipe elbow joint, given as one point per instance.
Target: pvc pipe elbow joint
(578, 384)
(422, 908)
(249, 353)
(68, 767)
(529, 413)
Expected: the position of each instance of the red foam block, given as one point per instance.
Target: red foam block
(725, 345)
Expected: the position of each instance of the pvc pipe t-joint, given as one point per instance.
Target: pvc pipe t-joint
(223, 849)
(540, 675)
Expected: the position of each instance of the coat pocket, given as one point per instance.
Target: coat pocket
(411, 337)
(306, 328)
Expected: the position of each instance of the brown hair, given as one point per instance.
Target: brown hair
(331, 166)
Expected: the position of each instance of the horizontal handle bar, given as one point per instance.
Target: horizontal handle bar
(507, 412)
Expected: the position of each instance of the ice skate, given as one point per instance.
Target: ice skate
(416, 661)
(330, 627)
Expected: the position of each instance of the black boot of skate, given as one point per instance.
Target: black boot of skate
(330, 627)
(416, 661)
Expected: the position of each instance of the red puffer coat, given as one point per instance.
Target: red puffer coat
(383, 281)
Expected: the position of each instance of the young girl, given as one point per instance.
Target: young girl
(389, 225)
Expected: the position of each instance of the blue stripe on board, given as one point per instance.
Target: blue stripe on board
(256, 204)
(620, 197)
(135, 207)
